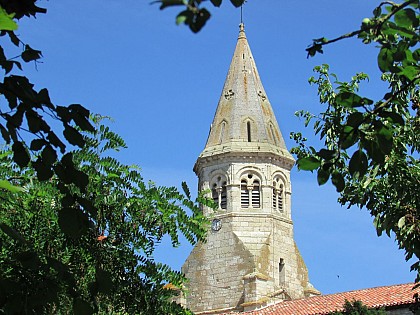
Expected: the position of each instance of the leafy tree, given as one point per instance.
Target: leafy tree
(77, 229)
(370, 148)
(60, 253)
(358, 308)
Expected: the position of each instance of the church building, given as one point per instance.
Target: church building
(250, 262)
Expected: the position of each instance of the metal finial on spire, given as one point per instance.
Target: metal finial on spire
(242, 5)
(241, 31)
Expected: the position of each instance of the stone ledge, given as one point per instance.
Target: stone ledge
(256, 303)
(252, 215)
(215, 311)
(256, 275)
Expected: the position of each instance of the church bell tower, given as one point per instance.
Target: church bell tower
(250, 258)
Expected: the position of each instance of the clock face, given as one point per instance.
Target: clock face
(216, 225)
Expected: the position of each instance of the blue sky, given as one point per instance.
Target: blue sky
(161, 84)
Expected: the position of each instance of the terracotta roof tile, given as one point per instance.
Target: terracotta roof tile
(394, 295)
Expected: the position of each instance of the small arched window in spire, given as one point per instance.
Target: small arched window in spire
(248, 130)
(222, 131)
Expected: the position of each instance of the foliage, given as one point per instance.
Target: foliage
(26, 113)
(194, 14)
(77, 229)
(358, 308)
(370, 148)
(65, 249)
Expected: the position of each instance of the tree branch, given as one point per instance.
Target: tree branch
(396, 7)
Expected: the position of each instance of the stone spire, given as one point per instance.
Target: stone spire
(244, 119)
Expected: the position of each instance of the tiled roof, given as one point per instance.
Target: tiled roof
(394, 295)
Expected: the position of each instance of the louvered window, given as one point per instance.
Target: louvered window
(274, 197)
(256, 194)
(215, 194)
(244, 195)
(223, 197)
(278, 195)
(280, 199)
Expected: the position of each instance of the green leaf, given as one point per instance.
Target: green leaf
(385, 59)
(406, 18)
(81, 307)
(216, 3)
(385, 140)
(34, 121)
(55, 141)
(338, 181)
(199, 20)
(348, 137)
(355, 119)
(7, 185)
(377, 11)
(358, 164)
(374, 151)
(308, 163)
(37, 144)
(410, 72)
(393, 117)
(104, 281)
(322, 176)
(73, 136)
(186, 190)
(5, 134)
(49, 156)
(6, 21)
(80, 179)
(237, 3)
(184, 17)
(20, 154)
(73, 222)
(31, 54)
(79, 109)
(326, 154)
(43, 171)
(348, 99)
(170, 3)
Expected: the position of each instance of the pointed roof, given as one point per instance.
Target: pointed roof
(244, 119)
